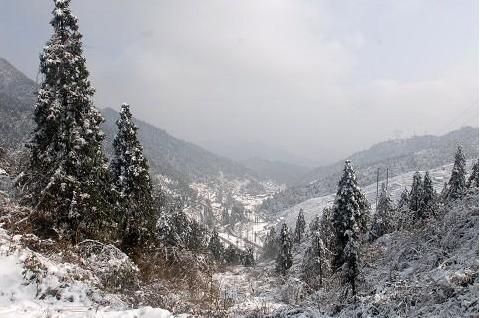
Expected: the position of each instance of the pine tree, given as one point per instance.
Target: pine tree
(382, 222)
(216, 247)
(350, 253)
(416, 192)
(131, 181)
(456, 184)
(314, 258)
(299, 227)
(232, 255)
(473, 179)
(350, 211)
(249, 257)
(67, 174)
(429, 197)
(284, 257)
(315, 225)
(195, 236)
(270, 247)
(404, 201)
(173, 225)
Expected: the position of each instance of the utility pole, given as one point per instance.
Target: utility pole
(387, 180)
(376, 196)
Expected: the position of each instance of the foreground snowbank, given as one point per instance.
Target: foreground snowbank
(35, 285)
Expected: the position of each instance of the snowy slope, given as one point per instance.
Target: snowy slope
(245, 233)
(396, 185)
(34, 285)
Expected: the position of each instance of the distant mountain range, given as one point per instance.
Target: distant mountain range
(280, 171)
(398, 156)
(168, 155)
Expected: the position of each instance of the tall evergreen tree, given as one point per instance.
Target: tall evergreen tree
(382, 222)
(429, 197)
(216, 247)
(314, 258)
(416, 192)
(404, 201)
(131, 181)
(350, 212)
(351, 254)
(248, 257)
(315, 225)
(456, 184)
(299, 227)
(473, 179)
(284, 257)
(67, 174)
(271, 244)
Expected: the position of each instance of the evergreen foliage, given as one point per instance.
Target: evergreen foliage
(416, 192)
(473, 179)
(131, 181)
(404, 201)
(249, 257)
(67, 174)
(284, 256)
(314, 258)
(232, 255)
(216, 247)
(382, 222)
(299, 227)
(350, 212)
(271, 244)
(428, 205)
(457, 184)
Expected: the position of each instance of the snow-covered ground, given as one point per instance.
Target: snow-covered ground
(254, 232)
(430, 270)
(33, 285)
(396, 186)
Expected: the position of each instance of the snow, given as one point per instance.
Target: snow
(33, 285)
(396, 185)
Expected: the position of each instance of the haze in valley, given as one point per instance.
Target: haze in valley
(303, 81)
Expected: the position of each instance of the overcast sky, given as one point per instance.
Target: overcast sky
(319, 79)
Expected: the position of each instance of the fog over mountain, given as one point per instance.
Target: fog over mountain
(292, 75)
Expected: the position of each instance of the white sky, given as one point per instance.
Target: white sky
(318, 79)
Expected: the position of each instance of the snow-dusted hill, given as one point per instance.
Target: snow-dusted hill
(396, 185)
(34, 285)
(242, 234)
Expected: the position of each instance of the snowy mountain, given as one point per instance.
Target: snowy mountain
(396, 185)
(16, 105)
(398, 156)
(279, 171)
(167, 155)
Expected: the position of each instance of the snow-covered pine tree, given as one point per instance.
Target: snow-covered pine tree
(473, 179)
(350, 253)
(195, 236)
(382, 222)
(314, 258)
(131, 181)
(67, 174)
(173, 225)
(350, 212)
(456, 184)
(270, 247)
(216, 247)
(416, 192)
(284, 257)
(429, 197)
(404, 201)
(299, 227)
